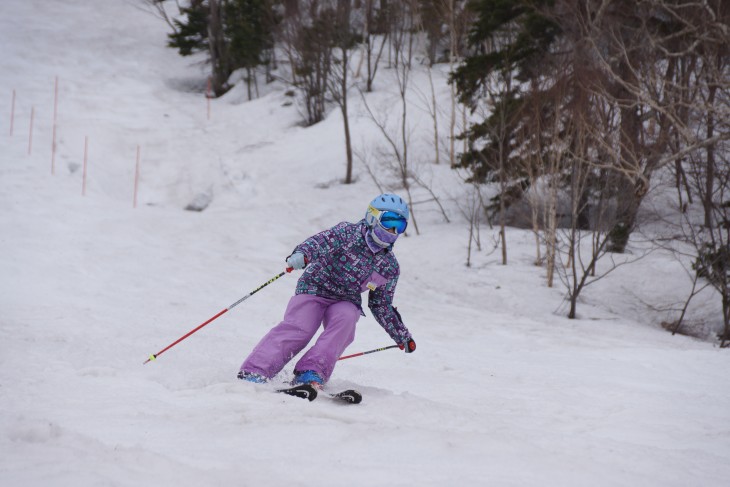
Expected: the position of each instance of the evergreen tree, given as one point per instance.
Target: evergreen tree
(509, 42)
(611, 66)
(247, 35)
(191, 35)
(486, 82)
(235, 33)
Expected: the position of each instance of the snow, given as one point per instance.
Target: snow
(503, 389)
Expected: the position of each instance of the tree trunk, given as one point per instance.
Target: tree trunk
(502, 197)
(452, 60)
(726, 318)
(628, 198)
(627, 209)
(216, 45)
(346, 118)
(551, 228)
(573, 289)
(710, 176)
(435, 118)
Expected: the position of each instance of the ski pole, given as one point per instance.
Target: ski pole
(155, 355)
(369, 351)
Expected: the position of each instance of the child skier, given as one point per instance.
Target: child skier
(339, 264)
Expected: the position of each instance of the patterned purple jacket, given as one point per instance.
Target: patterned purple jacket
(342, 266)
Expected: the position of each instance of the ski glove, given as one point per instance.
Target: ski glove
(297, 260)
(409, 346)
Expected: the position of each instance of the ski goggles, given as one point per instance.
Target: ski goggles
(391, 219)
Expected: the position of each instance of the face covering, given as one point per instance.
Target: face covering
(381, 237)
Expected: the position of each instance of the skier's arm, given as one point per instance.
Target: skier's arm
(380, 302)
(323, 243)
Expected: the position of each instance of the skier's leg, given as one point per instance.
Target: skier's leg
(302, 318)
(340, 319)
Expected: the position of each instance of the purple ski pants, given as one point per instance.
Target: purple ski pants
(302, 318)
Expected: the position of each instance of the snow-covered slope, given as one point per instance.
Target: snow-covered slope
(503, 390)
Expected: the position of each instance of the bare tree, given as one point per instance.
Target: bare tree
(641, 60)
(397, 135)
(473, 212)
(344, 40)
(309, 43)
(402, 19)
(501, 150)
(397, 142)
(452, 62)
(435, 18)
(428, 20)
(708, 175)
(375, 36)
(158, 8)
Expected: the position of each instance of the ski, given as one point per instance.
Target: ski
(306, 391)
(349, 396)
(303, 391)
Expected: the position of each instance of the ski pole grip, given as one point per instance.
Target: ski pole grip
(289, 269)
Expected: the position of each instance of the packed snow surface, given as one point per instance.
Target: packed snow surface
(503, 389)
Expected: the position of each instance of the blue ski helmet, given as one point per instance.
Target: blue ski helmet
(386, 202)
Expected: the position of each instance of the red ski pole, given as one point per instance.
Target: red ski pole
(155, 355)
(369, 351)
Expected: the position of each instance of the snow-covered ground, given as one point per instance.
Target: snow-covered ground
(503, 389)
